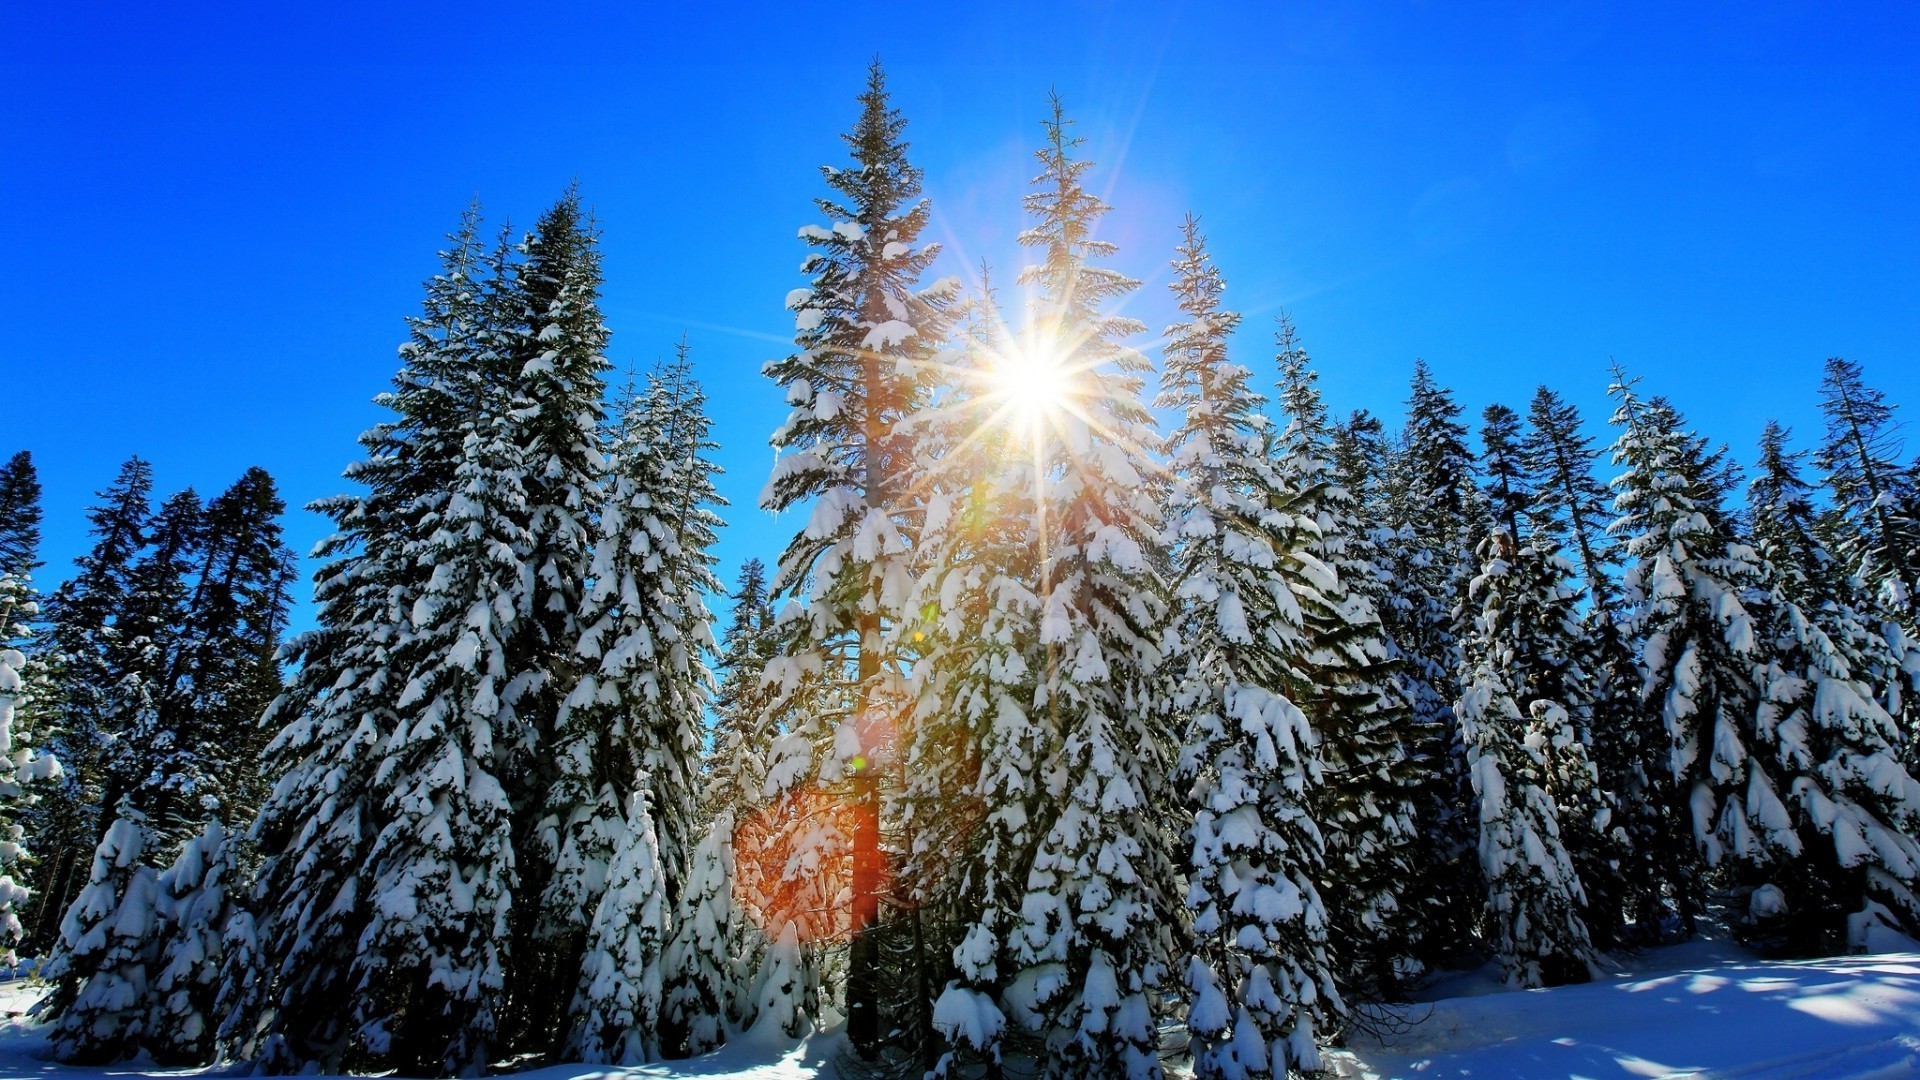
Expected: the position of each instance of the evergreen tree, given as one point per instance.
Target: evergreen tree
(330, 981)
(1534, 895)
(865, 332)
(1257, 969)
(1567, 504)
(102, 971)
(19, 516)
(616, 1010)
(20, 766)
(1878, 498)
(82, 656)
(1345, 685)
(1434, 512)
(1096, 922)
(196, 903)
(1823, 744)
(1686, 585)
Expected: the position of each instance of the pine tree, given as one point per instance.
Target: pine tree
(616, 1010)
(83, 660)
(865, 331)
(409, 560)
(196, 904)
(1534, 895)
(1878, 498)
(1823, 744)
(1096, 922)
(1257, 971)
(20, 766)
(103, 969)
(1434, 512)
(1346, 687)
(19, 516)
(1686, 584)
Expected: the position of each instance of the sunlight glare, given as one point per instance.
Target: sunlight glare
(1033, 381)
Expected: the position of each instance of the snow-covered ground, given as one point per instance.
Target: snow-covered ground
(1703, 1009)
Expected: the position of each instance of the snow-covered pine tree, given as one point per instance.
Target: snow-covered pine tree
(195, 904)
(1435, 514)
(1823, 743)
(153, 755)
(545, 344)
(1543, 672)
(1363, 806)
(1877, 497)
(865, 330)
(78, 655)
(615, 1015)
(1570, 509)
(1686, 585)
(1257, 968)
(341, 726)
(102, 970)
(235, 617)
(20, 766)
(19, 516)
(975, 798)
(1097, 921)
(1534, 895)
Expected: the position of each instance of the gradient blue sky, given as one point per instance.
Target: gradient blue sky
(219, 216)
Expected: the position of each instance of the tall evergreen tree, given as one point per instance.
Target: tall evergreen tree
(865, 330)
(1096, 922)
(81, 652)
(1346, 685)
(1877, 496)
(1687, 581)
(19, 516)
(20, 766)
(1257, 970)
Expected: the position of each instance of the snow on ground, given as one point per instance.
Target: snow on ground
(25, 1055)
(1703, 1009)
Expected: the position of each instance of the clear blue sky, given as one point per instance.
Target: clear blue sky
(218, 217)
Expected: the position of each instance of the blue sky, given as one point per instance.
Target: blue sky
(219, 216)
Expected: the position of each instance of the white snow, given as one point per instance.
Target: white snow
(1702, 1009)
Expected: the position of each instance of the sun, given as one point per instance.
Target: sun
(1033, 380)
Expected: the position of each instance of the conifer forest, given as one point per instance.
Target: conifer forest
(1117, 706)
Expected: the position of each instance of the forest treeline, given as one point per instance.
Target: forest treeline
(1099, 712)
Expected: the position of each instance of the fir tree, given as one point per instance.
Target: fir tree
(1686, 584)
(865, 330)
(1534, 895)
(1346, 686)
(1257, 971)
(82, 655)
(1879, 499)
(19, 517)
(1096, 921)
(103, 969)
(616, 1010)
(20, 766)
(196, 905)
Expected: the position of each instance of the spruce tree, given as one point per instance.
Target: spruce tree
(1877, 496)
(865, 329)
(196, 905)
(103, 970)
(1257, 968)
(1097, 918)
(1534, 895)
(616, 1010)
(21, 768)
(1434, 511)
(85, 664)
(1346, 686)
(1687, 582)
(19, 516)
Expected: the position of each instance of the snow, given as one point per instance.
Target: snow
(24, 1051)
(1701, 1009)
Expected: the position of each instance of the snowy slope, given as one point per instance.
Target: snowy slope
(1701, 1009)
